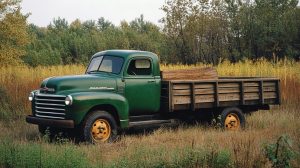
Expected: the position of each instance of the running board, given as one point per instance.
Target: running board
(144, 118)
(149, 122)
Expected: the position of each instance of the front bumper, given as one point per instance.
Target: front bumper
(50, 122)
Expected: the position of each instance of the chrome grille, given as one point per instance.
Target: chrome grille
(50, 106)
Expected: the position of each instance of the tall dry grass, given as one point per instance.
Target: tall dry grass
(17, 82)
(183, 146)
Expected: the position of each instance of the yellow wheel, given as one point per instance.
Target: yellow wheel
(232, 119)
(232, 122)
(99, 127)
(100, 130)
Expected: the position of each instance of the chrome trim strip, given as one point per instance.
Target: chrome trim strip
(62, 105)
(101, 88)
(49, 100)
(49, 108)
(44, 112)
(42, 116)
(50, 95)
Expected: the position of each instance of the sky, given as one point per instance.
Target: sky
(44, 11)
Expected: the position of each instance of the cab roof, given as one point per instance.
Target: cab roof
(126, 53)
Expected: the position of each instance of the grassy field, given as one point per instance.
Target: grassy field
(181, 146)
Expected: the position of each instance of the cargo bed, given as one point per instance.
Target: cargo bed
(225, 91)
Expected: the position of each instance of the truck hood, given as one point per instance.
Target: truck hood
(76, 83)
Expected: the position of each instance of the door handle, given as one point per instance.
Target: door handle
(151, 81)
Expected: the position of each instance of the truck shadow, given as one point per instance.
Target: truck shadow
(64, 136)
(148, 130)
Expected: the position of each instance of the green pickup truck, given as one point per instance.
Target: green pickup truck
(124, 88)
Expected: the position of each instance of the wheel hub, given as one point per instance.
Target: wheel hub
(232, 122)
(101, 130)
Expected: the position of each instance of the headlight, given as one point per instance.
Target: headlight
(68, 100)
(31, 96)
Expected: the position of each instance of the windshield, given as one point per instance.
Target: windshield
(106, 64)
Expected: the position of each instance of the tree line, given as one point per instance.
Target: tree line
(193, 31)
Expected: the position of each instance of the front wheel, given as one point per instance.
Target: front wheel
(98, 127)
(232, 119)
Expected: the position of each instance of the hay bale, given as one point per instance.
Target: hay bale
(190, 74)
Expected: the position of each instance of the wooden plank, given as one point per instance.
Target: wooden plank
(225, 80)
(185, 92)
(181, 86)
(190, 74)
(270, 84)
(251, 84)
(251, 96)
(270, 95)
(248, 89)
(229, 90)
(204, 85)
(204, 91)
(269, 89)
(229, 97)
(228, 85)
(204, 98)
(181, 100)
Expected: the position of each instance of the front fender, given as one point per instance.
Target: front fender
(84, 101)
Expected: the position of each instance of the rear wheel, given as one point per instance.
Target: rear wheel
(232, 119)
(99, 126)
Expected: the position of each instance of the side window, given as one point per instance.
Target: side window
(139, 67)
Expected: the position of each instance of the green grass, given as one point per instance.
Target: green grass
(35, 154)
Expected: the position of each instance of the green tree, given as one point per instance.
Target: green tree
(275, 25)
(13, 33)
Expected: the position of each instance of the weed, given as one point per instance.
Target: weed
(280, 153)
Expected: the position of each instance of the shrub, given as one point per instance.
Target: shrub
(280, 153)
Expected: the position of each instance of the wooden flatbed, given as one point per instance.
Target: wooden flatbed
(224, 92)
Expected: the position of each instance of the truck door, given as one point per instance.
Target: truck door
(142, 89)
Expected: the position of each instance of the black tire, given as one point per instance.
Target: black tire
(235, 119)
(89, 125)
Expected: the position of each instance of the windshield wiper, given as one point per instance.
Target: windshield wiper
(105, 72)
(92, 71)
